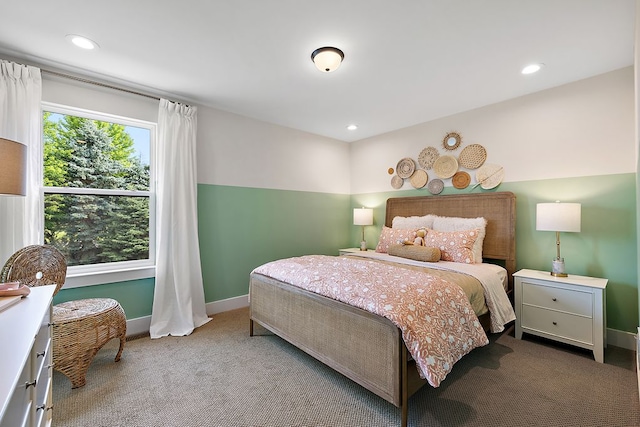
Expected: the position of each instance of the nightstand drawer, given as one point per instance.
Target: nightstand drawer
(559, 324)
(570, 301)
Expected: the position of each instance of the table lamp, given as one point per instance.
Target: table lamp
(13, 167)
(558, 217)
(363, 216)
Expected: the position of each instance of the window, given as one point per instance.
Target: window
(99, 203)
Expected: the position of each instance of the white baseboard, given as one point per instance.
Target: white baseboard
(621, 339)
(141, 325)
(227, 304)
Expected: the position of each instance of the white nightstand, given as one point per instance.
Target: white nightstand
(351, 250)
(570, 309)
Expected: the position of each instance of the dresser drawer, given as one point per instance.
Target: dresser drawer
(570, 301)
(17, 413)
(569, 326)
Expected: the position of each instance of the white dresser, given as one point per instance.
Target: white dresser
(26, 361)
(570, 309)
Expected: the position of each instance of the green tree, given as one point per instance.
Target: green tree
(91, 229)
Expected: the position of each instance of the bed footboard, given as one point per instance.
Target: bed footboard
(364, 347)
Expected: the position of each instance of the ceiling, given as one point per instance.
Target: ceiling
(406, 61)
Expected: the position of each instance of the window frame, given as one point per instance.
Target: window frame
(97, 274)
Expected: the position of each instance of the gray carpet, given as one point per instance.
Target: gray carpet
(219, 376)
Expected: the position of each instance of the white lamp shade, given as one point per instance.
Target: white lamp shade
(327, 59)
(13, 167)
(558, 217)
(362, 216)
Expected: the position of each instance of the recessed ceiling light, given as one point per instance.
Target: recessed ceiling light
(532, 68)
(82, 42)
(352, 127)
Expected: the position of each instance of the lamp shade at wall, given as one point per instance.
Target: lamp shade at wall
(362, 216)
(558, 217)
(13, 167)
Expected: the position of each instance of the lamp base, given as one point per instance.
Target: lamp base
(559, 274)
(363, 245)
(558, 268)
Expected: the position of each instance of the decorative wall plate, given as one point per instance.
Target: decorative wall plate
(397, 182)
(427, 157)
(461, 180)
(435, 186)
(445, 166)
(405, 167)
(472, 156)
(451, 141)
(490, 176)
(419, 178)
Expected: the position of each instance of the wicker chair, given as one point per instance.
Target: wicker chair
(81, 327)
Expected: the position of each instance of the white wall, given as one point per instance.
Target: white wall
(238, 151)
(91, 97)
(585, 128)
(232, 150)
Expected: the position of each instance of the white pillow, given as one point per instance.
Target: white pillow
(413, 222)
(449, 223)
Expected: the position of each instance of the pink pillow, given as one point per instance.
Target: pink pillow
(456, 246)
(393, 236)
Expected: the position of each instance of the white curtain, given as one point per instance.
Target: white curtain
(178, 300)
(21, 219)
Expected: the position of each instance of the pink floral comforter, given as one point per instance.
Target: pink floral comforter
(437, 322)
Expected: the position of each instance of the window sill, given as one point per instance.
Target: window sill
(78, 280)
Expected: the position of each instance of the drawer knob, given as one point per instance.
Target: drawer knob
(555, 323)
(554, 299)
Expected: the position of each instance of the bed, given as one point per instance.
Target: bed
(365, 347)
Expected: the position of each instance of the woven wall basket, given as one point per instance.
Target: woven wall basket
(472, 156)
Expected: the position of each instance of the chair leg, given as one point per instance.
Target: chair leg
(122, 341)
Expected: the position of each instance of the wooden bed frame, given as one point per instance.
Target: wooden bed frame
(363, 346)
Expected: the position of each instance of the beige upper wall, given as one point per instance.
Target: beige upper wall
(238, 151)
(584, 128)
(580, 129)
(232, 150)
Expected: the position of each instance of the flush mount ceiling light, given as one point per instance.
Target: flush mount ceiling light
(82, 42)
(532, 68)
(352, 127)
(327, 59)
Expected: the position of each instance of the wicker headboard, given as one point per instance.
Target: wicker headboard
(499, 209)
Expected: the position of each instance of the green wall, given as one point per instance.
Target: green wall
(241, 228)
(605, 247)
(135, 296)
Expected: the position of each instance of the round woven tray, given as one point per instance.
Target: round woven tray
(490, 176)
(445, 166)
(461, 180)
(405, 167)
(419, 179)
(435, 186)
(427, 157)
(472, 156)
(396, 182)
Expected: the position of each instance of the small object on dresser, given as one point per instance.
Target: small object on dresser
(12, 289)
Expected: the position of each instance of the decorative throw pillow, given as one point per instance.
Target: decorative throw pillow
(450, 223)
(392, 236)
(456, 246)
(413, 222)
(418, 253)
